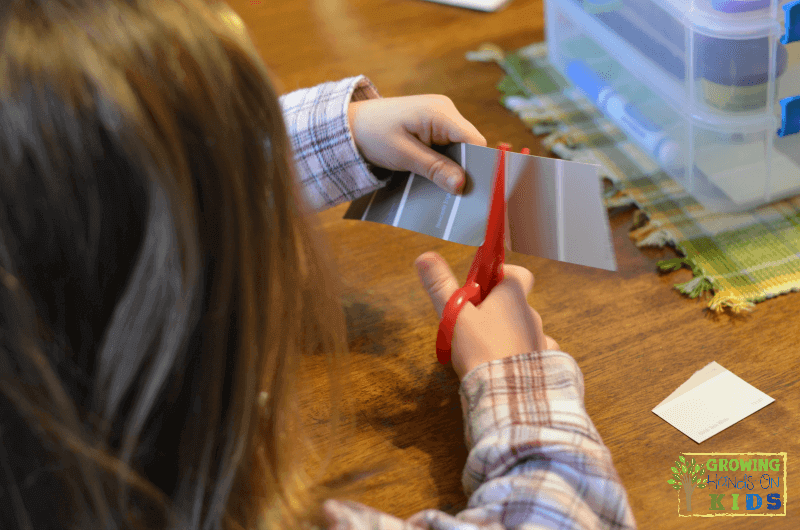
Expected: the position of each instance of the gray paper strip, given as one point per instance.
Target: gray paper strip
(554, 207)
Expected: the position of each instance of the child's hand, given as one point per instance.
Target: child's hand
(394, 133)
(503, 325)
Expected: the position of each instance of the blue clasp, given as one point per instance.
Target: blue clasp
(790, 116)
(791, 14)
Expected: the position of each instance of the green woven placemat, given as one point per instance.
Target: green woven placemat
(737, 259)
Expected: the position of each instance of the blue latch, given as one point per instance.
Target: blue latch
(790, 116)
(791, 15)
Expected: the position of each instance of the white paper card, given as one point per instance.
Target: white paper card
(478, 5)
(711, 400)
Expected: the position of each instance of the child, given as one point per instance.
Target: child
(160, 279)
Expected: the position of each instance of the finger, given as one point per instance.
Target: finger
(521, 275)
(551, 343)
(437, 278)
(452, 127)
(422, 160)
(517, 283)
(541, 339)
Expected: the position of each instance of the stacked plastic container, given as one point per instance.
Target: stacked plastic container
(708, 88)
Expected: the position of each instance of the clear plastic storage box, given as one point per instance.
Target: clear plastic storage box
(708, 88)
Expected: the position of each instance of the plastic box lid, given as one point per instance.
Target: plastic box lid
(730, 159)
(727, 17)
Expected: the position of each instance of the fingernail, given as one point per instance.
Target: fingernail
(453, 182)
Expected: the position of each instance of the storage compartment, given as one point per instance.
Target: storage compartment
(709, 117)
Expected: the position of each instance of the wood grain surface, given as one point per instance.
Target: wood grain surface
(634, 336)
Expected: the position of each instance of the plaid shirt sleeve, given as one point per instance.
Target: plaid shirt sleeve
(330, 168)
(536, 459)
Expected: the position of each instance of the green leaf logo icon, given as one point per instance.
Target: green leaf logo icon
(687, 476)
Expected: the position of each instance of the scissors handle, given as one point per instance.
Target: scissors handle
(444, 338)
(487, 267)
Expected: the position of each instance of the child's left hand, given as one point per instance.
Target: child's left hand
(395, 133)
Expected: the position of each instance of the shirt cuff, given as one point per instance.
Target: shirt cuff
(535, 396)
(330, 168)
(364, 90)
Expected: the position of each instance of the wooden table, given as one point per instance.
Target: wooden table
(634, 336)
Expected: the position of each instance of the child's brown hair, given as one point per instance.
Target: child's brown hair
(159, 278)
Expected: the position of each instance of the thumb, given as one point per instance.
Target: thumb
(437, 278)
(434, 166)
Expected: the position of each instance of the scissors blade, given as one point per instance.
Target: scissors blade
(487, 269)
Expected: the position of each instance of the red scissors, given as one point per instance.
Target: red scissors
(487, 268)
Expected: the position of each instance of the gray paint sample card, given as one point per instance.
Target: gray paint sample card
(554, 207)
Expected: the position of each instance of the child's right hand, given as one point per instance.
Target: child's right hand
(503, 325)
(398, 133)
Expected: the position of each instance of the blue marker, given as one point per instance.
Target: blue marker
(628, 117)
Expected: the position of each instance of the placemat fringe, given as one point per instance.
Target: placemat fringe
(729, 300)
(653, 235)
(673, 264)
(695, 287)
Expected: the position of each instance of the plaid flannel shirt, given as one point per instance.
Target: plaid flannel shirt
(536, 459)
(330, 168)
